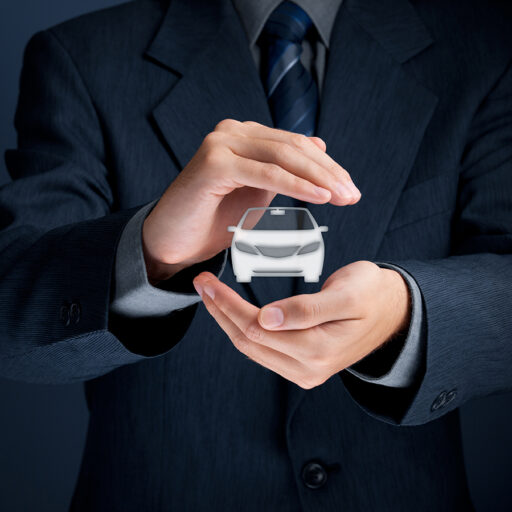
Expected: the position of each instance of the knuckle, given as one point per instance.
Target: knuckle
(213, 148)
(270, 171)
(240, 342)
(308, 310)
(299, 184)
(300, 140)
(315, 170)
(212, 140)
(254, 333)
(282, 150)
(226, 125)
(344, 174)
(213, 157)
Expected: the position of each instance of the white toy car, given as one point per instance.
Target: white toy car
(277, 241)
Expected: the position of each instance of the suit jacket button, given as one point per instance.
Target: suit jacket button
(64, 314)
(451, 395)
(314, 475)
(75, 312)
(439, 402)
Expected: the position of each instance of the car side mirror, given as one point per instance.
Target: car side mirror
(231, 229)
(323, 229)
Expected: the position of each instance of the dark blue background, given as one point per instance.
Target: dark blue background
(42, 428)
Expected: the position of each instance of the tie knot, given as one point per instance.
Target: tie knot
(288, 21)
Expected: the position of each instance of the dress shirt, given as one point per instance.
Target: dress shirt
(134, 296)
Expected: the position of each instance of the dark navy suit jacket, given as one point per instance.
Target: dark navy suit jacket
(416, 105)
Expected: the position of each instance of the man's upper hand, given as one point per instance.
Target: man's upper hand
(308, 338)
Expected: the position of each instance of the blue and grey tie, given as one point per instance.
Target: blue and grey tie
(291, 90)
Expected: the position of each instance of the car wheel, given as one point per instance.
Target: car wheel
(311, 279)
(243, 279)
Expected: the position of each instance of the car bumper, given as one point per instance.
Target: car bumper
(245, 264)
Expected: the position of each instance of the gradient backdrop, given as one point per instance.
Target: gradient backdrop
(42, 428)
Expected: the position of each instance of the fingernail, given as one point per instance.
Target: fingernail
(209, 291)
(272, 317)
(322, 192)
(199, 288)
(355, 191)
(344, 191)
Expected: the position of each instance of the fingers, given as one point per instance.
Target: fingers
(272, 177)
(243, 311)
(311, 147)
(300, 345)
(280, 363)
(304, 144)
(294, 162)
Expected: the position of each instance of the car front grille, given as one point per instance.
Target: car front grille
(280, 251)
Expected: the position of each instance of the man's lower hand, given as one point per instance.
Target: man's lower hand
(308, 338)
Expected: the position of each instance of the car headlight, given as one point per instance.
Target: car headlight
(242, 246)
(309, 248)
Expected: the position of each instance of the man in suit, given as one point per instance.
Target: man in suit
(146, 129)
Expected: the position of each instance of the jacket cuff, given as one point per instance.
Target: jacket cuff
(133, 295)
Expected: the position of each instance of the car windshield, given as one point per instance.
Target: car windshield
(278, 219)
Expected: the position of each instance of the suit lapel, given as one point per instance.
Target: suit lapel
(204, 43)
(373, 116)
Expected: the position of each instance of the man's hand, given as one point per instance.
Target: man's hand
(237, 166)
(308, 338)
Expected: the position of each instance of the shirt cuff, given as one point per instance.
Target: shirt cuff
(405, 368)
(133, 295)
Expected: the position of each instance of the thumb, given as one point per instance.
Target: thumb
(301, 311)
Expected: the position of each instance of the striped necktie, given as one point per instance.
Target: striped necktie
(291, 90)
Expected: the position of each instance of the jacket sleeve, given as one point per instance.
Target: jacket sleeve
(467, 298)
(58, 234)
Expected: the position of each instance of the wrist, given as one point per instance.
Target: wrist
(157, 269)
(399, 302)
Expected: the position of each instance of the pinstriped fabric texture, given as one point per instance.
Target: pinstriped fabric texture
(291, 90)
(236, 431)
